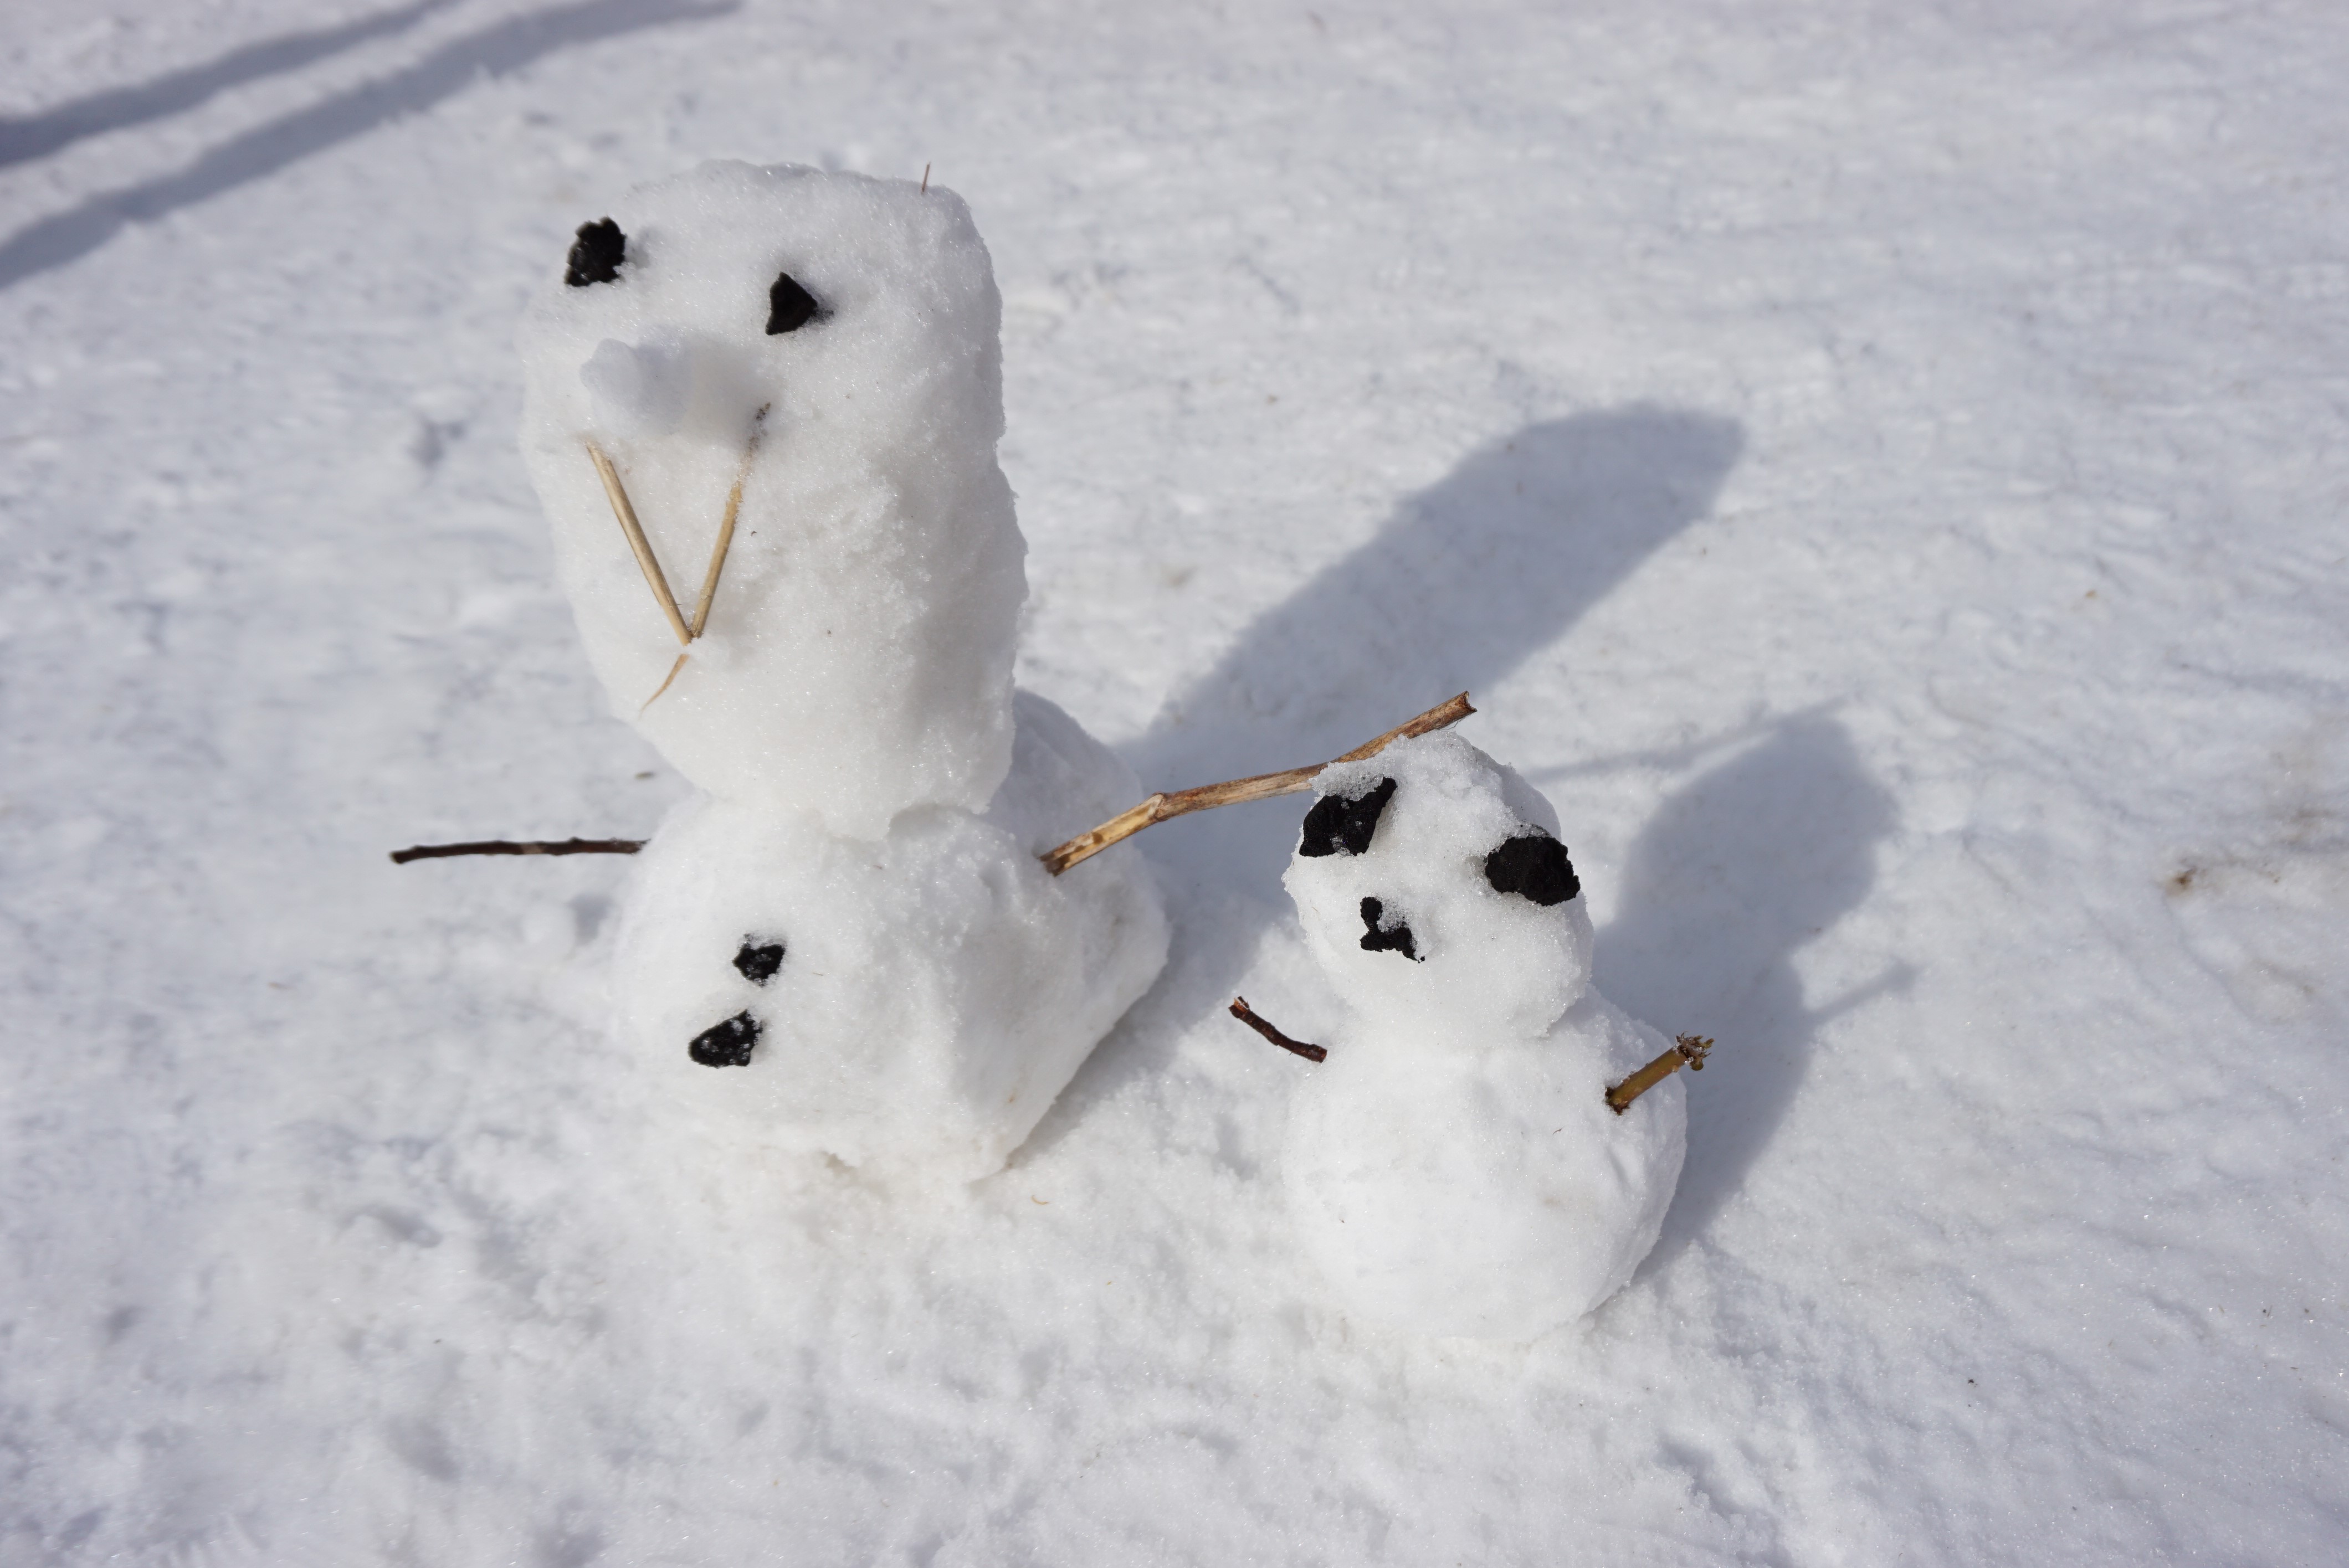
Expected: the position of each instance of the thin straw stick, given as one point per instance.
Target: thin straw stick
(717, 559)
(725, 533)
(1234, 792)
(637, 542)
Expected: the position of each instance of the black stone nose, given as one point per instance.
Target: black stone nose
(596, 254)
(1395, 938)
(726, 1044)
(1535, 865)
(1337, 826)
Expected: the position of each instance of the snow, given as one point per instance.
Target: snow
(1483, 1190)
(856, 658)
(1456, 1169)
(1476, 962)
(1876, 470)
(922, 998)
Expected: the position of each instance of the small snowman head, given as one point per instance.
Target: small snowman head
(1436, 896)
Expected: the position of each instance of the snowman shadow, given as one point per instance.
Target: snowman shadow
(1465, 581)
(1734, 873)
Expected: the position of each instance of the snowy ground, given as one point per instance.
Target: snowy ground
(1879, 470)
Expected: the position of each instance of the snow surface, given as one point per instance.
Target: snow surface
(1878, 470)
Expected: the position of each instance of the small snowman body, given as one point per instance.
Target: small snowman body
(845, 942)
(1454, 1167)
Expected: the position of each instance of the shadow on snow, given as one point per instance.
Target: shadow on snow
(507, 46)
(120, 109)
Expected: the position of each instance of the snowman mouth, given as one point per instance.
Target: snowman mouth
(623, 510)
(1377, 937)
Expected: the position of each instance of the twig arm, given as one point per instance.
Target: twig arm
(1249, 1016)
(1238, 791)
(523, 847)
(1687, 1051)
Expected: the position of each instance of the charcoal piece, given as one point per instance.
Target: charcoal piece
(758, 960)
(1395, 939)
(1534, 864)
(1339, 826)
(726, 1044)
(596, 254)
(789, 306)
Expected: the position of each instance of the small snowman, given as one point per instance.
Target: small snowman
(1457, 1166)
(791, 382)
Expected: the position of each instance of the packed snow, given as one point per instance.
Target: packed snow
(856, 658)
(810, 390)
(1876, 469)
(1457, 1168)
(908, 1006)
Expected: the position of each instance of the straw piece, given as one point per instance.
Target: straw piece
(626, 513)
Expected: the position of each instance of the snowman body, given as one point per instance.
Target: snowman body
(1454, 1167)
(844, 942)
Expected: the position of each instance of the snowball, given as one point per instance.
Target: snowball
(1395, 880)
(842, 332)
(1486, 1191)
(637, 391)
(910, 1005)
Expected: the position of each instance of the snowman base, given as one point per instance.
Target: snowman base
(910, 1005)
(1489, 1194)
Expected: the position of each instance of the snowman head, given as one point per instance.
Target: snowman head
(829, 343)
(1437, 897)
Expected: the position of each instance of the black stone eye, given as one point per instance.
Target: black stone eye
(1339, 826)
(791, 307)
(726, 1044)
(596, 254)
(1396, 938)
(758, 960)
(1534, 864)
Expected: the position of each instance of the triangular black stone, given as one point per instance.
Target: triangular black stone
(789, 306)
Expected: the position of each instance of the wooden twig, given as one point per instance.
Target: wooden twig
(1688, 1050)
(1236, 791)
(926, 179)
(1249, 1016)
(509, 847)
(626, 513)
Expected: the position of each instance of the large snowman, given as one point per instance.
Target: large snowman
(1456, 1167)
(761, 412)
